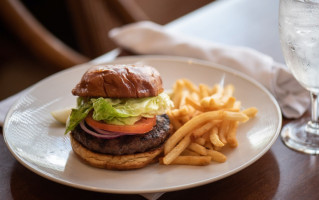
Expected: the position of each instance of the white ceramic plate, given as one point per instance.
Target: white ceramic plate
(38, 141)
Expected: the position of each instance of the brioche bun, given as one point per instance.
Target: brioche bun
(119, 81)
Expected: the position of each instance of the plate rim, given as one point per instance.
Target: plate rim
(151, 57)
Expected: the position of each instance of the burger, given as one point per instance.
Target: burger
(119, 122)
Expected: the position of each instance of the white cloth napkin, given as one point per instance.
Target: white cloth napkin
(150, 38)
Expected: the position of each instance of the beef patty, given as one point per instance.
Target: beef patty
(127, 144)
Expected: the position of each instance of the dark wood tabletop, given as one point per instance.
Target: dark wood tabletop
(279, 174)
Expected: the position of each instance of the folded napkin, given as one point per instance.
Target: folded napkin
(150, 38)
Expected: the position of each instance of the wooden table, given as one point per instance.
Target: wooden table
(280, 174)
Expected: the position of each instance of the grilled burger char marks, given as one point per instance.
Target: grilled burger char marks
(121, 81)
(127, 144)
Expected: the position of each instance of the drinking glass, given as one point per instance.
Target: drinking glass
(299, 37)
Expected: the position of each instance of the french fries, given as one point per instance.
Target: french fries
(205, 120)
(214, 138)
(191, 160)
(178, 149)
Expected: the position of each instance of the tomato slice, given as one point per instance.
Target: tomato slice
(144, 125)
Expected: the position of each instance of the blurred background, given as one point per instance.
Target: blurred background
(41, 37)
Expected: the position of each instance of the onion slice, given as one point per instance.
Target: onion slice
(109, 135)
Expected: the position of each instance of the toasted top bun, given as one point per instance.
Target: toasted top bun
(119, 81)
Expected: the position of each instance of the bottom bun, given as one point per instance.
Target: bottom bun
(119, 162)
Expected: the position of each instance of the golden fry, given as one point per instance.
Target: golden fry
(230, 109)
(184, 119)
(250, 112)
(205, 102)
(235, 116)
(191, 111)
(192, 160)
(222, 132)
(216, 156)
(200, 141)
(177, 91)
(214, 89)
(194, 104)
(229, 103)
(197, 121)
(176, 124)
(228, 92)
(195, 96)
(204, 90)
(203, 129)
(180, 112)
(206, 136)
(188, 152)
(198, 148)
(208, 145)
(237, 105)
(190, 86)
(184, 94)
(217, 148)
(231, 137)
(218, 92)
(177, 150)
(214, 138)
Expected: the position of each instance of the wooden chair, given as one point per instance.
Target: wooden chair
(92, 21)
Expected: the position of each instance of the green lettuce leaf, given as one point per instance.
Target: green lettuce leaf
(124, 121)
(107, 109)
(120, 111)
(77, 115)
